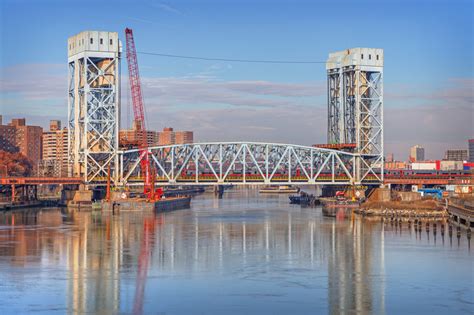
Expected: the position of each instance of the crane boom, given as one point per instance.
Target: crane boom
(138, 108)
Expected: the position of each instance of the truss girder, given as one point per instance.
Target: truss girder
(241, 163)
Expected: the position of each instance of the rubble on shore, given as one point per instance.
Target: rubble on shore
(402, 204)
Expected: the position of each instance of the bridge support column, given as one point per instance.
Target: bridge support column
(13, 193)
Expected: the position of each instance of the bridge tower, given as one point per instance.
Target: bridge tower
(93, 104)
(355, 106)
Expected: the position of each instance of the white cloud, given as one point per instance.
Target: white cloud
(165, 92)
(454, 90)
(35, 82)
(165, 6)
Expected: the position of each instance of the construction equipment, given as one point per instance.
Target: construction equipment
(139, 112)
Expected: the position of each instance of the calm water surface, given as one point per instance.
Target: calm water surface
(244, 254)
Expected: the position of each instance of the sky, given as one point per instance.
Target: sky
(428, 70)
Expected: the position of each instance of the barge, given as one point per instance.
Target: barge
(180, 191)
(142, 204)
(304, 199)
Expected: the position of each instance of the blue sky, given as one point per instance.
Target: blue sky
(428, 64)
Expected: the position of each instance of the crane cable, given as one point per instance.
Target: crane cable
(231, 60)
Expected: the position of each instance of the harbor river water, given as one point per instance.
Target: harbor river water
(243, 254)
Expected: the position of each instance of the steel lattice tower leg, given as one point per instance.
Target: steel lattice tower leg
(94, 104)
(355, 107)
(334, 107)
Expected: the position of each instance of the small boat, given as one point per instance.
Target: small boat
(304, 199)
(300, 199)
(279, 190)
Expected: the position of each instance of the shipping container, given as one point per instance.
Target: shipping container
(424, 165)
(451, 165)
(468, 166)
(450, 187)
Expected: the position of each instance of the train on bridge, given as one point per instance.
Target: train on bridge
(390, 176)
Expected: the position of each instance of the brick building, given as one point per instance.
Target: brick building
(55, 151)
(131, 138)
(18, 137)
(8, 139)
(182, 137)
(168, 136)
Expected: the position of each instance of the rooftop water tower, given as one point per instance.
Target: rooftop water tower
(93, 104)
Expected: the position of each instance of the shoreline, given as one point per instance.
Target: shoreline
(405, 213)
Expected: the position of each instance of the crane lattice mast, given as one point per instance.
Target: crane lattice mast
(138, 108)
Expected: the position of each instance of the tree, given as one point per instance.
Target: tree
(15, 164)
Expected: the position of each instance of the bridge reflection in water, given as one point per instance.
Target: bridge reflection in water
(101, 253)
(221, 255)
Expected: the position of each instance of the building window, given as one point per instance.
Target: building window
(101, 41)
(110, 42)
(362, 56)
(92, 41)
(377, 57)
(83, 41)
(370, 57)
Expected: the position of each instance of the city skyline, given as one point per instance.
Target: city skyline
(255, 102)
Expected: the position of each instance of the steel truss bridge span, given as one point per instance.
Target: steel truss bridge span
(244, 163)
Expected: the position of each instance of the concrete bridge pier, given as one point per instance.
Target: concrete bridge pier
(68, 193)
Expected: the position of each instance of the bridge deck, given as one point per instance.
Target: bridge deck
(40, 180)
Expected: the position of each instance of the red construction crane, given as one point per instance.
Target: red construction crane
(138, 111)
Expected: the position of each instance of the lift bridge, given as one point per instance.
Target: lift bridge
(243, 163)
(355, 118)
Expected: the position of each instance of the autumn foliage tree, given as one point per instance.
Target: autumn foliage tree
(15, 164)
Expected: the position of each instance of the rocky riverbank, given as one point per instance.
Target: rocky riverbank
(403, 213)
(427, 208)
